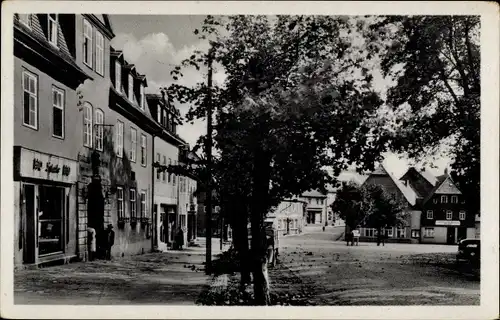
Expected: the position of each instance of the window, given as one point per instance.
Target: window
(87, 43)
(169, 174)
(133, 204)
(444, 199)
(141, 96)
(435, 200)
(400, 233)
(174, 176)
(130, 87)
(158, 114)
(30, 100)
(99, 53)
(25, 19)
(119, 139)
(133, 144)
(158, 173)
(119, 202)
(369, 232)
(165, 117)
(430, 214)
(429, 232)
(449, 215)
(415, 233)
(461, 215)
(454, 199)
(183, 221)
(389, 232)
(143, 205)
(52, 28)
(164, 173)
(51, 218)
(118, 76)
(279, 224)
(143, 149)
(99, 129)
(87, 125)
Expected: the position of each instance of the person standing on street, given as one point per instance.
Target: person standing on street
(110, 240)
(91, 243)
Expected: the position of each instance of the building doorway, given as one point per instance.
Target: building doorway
(462, 233)
(50, 220)
(29, 243)
(311, 217)
(450, 235)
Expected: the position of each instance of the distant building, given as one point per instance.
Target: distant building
(315, 213)
(289, 216)
(435, 207)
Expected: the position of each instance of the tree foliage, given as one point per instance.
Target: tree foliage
(435, 63)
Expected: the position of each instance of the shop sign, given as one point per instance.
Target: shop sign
(39, 165)
(447, 223)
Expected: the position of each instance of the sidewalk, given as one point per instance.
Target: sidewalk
(174, 277)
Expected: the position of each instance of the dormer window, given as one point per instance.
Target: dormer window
(118, 76)
(141, 97)
(52, 34)
(25, 19)
(158, 113)
(130, 87)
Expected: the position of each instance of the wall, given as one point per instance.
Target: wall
(439, 211)
(41, 138)
(439, 236)
(165, 191)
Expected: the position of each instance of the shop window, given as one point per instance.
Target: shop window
(50, 220)
(133, 144)
(30, 100)
(430, 214)
(429, 232)
(369, 232)
(449, 215)
(87, 43)
(461, 215)
(415, 233)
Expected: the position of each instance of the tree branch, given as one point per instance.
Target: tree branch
(445, 80)
(460, 68)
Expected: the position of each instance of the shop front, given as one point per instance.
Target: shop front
(46, 223)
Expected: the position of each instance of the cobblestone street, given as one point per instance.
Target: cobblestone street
(394, 274)
(170, 278)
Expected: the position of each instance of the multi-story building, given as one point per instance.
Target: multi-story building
(315, 214)
(171, 189)
(435, 208)
(46, 77)
(188, 207)
(288, 217)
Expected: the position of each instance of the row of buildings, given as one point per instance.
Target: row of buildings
(435, 207)
(90, 146)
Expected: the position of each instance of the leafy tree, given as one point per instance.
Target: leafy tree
(435, 62)
(291, 90)
(384, 209)
(350, 204)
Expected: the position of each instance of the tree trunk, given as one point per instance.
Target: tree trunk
(258, 207)
(240, 236)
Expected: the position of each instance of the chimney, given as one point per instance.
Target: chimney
(446, 171)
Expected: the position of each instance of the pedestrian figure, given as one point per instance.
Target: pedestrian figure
(355, 237)
(91, 243)
(348, 236)
(379, 237)
(270, 251)
(179, 239)
(110, 241)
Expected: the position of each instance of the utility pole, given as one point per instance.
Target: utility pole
(208, 200)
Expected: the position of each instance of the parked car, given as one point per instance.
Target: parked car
(469, 251)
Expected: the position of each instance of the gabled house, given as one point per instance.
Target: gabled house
(435, 207)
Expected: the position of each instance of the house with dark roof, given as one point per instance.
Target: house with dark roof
(46, 79)
(434, 205)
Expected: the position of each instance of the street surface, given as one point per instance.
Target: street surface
(172, 278)
(394, 274)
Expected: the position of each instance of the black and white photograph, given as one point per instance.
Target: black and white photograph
(161, 157)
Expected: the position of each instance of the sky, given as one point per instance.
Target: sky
(156, 43)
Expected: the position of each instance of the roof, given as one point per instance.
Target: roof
(313, 194)
(407, 191)
(428, 176)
